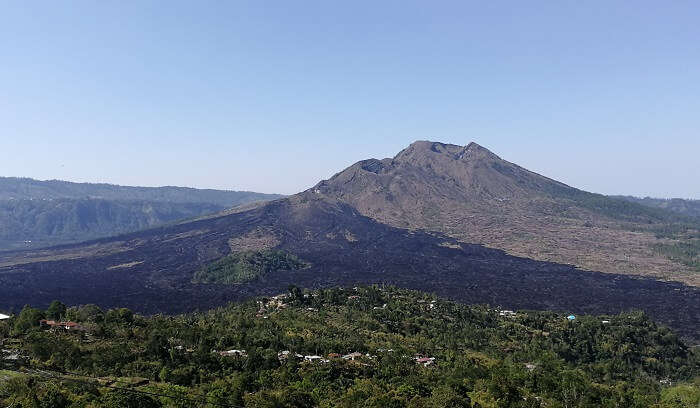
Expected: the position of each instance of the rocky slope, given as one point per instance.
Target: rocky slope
(475, 196)
(371, 223)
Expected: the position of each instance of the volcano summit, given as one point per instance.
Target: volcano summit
(455, 220)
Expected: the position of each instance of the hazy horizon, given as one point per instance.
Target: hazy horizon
(273, 192)
(274, 98)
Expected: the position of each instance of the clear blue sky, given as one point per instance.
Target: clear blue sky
(274, 96)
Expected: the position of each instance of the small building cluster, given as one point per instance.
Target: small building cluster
(353, 356)
(233, 353)
(285, 355)
(428, 305)
(424, 361)
(316, 359)
(274, 303)
(54, 325)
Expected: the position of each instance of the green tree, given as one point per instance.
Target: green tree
(29, 317)
(56, 310)
(680, 396)
(295, 294)
(126, 399)
(446, 397)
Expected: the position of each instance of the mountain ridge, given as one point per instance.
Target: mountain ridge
(29, 188)
(332, 229)
(473, 195)
(36, 213)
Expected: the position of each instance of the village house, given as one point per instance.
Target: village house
(353, 356)
(233, 353)
(425, 361)
(283, 355)
(506, 313)
(68, 326)
(315, 359)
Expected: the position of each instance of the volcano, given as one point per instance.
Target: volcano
(455, 220)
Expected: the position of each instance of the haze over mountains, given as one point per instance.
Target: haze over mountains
(36, 213)
(416, 220)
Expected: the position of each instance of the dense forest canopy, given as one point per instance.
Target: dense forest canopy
(368, 346)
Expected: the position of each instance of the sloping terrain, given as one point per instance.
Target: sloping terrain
(405, 221)
(682, 206)
(369, 347)
(471, 194)
(152, 271)
(42, 223)
(35, 214)
(25, 188)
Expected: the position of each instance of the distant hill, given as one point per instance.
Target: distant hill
(415, 221)
(37, 213)
(690, 208)
(26, 188)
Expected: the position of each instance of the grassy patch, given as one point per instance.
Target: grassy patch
(248, 265)
(685, 252)
(7, 374)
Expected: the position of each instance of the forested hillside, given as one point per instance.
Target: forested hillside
(26, 188)
(689, 208)
(36, 214)
(368, 346)
(39, 223)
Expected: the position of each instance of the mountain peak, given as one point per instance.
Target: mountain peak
(421, 150)
(473, 146)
